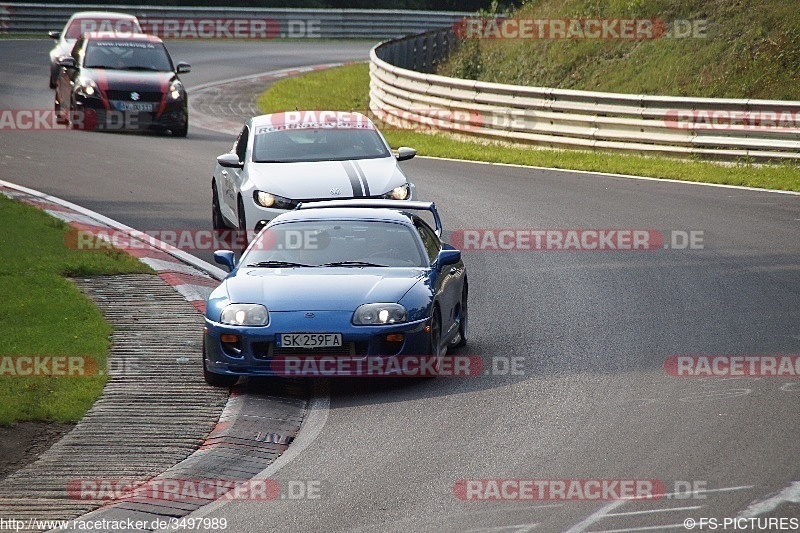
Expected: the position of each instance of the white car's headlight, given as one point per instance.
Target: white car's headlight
(176, 91)
(245, 315)
(265, 199)
(379, 314)
(402, 192)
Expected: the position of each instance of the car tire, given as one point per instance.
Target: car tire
(53, 76)
(76, 125)
(60, 118)
(242, 218)
(436, 332)
(463, 325)
(435, 343)
(217, 220)
(183, 129)
(216, 380)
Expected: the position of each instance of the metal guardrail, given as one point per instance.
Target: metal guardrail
(31, 18)
(404, 93)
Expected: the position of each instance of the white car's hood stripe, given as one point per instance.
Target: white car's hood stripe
(362, 177)
(355, 179)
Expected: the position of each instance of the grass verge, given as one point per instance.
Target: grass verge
(43, 314)
(347, 88)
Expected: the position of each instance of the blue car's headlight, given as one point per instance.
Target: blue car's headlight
(245, 315)
(379, 314)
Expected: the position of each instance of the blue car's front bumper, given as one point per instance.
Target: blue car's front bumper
(256, 351)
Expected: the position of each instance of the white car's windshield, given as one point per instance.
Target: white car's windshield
(329, 243)
(318, 144)
(127, 55)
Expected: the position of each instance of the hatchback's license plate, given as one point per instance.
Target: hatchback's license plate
(310, 340)
(134, 106)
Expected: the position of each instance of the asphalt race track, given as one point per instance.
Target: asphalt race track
(590, 331)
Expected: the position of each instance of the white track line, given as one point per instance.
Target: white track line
(610, 175)
(790, 494)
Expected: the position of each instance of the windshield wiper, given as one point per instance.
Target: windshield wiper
(277, 264)
(138, 67)
(353, 264)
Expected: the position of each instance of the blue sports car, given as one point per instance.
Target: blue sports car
(340, 280)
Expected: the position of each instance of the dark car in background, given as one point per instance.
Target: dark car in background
(110, 82)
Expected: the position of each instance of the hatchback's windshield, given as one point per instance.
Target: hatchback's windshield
(336, 243)
(289, 145)
(127, 55)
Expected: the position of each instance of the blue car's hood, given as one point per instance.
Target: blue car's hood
(335, 289)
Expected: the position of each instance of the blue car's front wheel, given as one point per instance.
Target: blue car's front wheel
(216, 380)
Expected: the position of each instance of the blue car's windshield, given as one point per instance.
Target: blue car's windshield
(331, 243)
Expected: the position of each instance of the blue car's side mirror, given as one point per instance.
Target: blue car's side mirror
(448, 257)
(225, 258)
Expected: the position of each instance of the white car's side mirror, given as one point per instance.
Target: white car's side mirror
(230, 160)
(404, 153)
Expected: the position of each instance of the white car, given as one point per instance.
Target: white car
(84, 22)
(282, 159)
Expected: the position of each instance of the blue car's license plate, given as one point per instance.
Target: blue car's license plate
(310, 340)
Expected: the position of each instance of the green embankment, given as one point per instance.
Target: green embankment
(44, 315)
(735, 49)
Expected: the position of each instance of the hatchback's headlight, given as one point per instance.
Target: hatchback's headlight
(87, 87)
(245, 315)
(402, 192)
(176, 91)
(265, 199)
(379, 314)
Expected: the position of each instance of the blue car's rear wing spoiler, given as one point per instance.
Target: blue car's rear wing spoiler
(400, 205)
